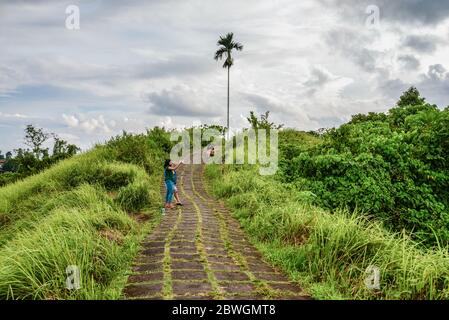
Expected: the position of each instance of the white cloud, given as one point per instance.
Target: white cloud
(15, 115)
(89, 125)
(143, 63)
(182, 100)
(71, 120)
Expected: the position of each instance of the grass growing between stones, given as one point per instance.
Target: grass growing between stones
(261, 287)
(168, 285)
(216, 292)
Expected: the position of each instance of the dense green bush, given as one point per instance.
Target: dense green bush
(392, 166)
(145, 150)
(160, 140)
(9, 177)
(133, 149)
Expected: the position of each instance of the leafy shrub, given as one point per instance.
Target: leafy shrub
(114, 176)
(132, 149)
(160, 139)
(390, 166)
(147, 151)
(9, 177)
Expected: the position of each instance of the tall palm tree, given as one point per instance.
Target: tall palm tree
(226, 45)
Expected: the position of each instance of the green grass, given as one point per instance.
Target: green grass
(80, 212)
(328, 253)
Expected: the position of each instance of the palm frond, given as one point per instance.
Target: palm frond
(238, 46)
(229, 62)
(226, 41)
(226, 45)
(219, 53)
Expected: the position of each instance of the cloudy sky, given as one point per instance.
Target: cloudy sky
(136, 64)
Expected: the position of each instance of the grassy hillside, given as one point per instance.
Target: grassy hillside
(372, 193)
(90, 211)
(326, 252)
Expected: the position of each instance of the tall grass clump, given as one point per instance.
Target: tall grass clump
(93, 234)
(134, 197)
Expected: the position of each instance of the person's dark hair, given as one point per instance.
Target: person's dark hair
(167, 163)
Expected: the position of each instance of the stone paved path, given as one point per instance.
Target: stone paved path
(200, 252)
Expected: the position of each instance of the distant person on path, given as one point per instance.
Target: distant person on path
(169, 177)
(210, 150)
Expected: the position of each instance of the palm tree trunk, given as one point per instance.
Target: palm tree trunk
(227, 122)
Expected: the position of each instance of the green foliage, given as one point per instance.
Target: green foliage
(33, 264)
(35, 138)
(411, 97)
(134, 197)
(80, 212)
(263, 123)
(62, 149)
(328, 253)
(227, 44)
(371, 117)
(143, 150)
(8, 177)
(292, 143)
(393, 167)
(220, 129)
(11, 165)
(160, 140)
(28, 162)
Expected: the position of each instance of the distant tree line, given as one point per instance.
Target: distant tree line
(36, 158)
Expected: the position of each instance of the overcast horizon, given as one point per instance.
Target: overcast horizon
(132, 66)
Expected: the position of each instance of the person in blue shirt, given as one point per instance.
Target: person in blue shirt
(170, 182)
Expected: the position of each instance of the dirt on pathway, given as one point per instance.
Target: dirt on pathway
(200, 252)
